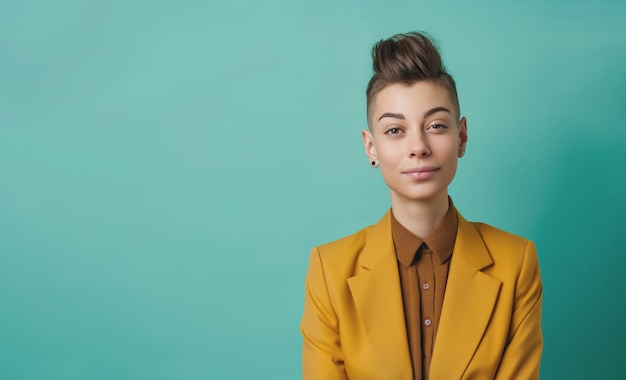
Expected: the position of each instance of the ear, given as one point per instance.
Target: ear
(462, 134)
(368, 144)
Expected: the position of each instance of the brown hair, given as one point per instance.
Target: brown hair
(408, 58)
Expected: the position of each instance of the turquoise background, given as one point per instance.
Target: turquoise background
(166, 167)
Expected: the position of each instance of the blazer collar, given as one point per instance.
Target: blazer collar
(378, 244)
(378, 298)
(467, 307)
(468, 304)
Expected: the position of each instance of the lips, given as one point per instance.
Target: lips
(422, 172)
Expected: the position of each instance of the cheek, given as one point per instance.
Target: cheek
(452, 167)
(389, 160)
(387, 155)
(449, 149)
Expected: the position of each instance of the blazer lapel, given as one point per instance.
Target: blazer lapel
(467, 307)
(378, 298)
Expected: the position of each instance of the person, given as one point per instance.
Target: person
(423, 293)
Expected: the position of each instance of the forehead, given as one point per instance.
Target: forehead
(411, 100)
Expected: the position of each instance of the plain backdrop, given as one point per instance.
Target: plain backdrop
(166, 167)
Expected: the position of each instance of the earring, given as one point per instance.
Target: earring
(461, 153)
(374, 164)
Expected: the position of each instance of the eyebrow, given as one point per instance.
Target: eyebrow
(435, 110)
(426, 114)
(393, 115)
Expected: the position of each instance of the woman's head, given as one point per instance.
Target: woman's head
(415, 132)
(406, 59)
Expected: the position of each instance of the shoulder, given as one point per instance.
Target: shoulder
(495, 236)
(345, 249)
(344, 258)
(331, 264)
(350, 242)
(509, 252)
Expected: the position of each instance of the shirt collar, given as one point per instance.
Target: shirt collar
(440, 241)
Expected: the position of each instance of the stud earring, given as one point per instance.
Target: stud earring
(374, 164)
(461, 153)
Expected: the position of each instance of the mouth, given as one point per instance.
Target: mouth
(422, 172)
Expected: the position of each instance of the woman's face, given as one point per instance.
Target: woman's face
(416, 138)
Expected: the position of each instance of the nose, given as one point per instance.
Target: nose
(418, 145)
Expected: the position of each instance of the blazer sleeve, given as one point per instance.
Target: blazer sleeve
(322, 357)
(522, 354)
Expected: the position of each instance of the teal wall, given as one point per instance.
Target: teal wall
(165, 167)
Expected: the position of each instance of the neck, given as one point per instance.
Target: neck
(420, 217)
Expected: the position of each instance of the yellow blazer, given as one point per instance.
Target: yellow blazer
(490, 327)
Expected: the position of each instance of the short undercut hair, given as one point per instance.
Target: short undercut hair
(408, 58)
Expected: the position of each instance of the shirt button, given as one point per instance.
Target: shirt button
(426, 286)
(427, 322)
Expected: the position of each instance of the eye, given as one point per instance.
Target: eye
(437, 127)
(393, 131)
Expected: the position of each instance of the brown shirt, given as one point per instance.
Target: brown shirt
(423, 267)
